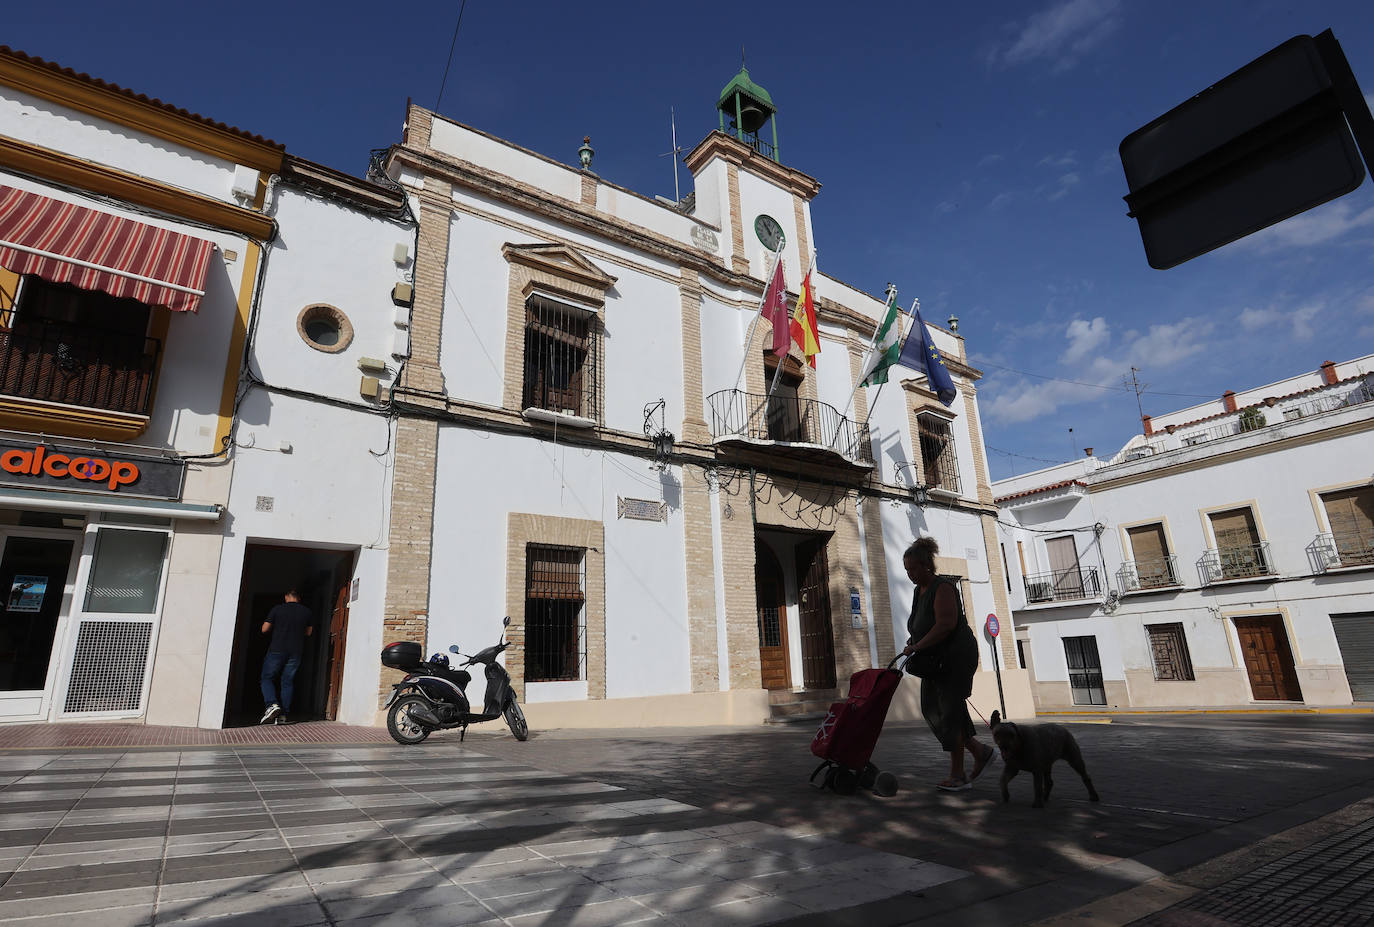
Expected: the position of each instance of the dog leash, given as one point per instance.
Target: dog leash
(978, 713)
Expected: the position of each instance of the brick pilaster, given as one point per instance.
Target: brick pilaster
(694, 427)
(422, 372)
(738, 260)
(405, 615)
(701, 580)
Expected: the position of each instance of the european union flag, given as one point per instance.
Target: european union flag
(920, 354)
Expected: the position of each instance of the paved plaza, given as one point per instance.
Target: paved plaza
(1204, 820)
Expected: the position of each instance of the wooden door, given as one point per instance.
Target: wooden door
(338, 632)
(1068, 581)
(813, 605)
(769, 591)
(1268, 658)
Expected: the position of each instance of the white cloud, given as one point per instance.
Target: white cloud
(1066, 183)
(1066, 159)
(988, 160)
(1084, 337)
(1300, 318)
(1097, 370)
(1062, 33)
(1001, 200)
(1311, 228)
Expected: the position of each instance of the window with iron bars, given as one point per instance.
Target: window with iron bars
(561, 358)
(555, 642)
(937, 453)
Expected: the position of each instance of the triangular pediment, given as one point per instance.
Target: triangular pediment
(560, 261)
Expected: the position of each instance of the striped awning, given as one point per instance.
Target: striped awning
(65, 243)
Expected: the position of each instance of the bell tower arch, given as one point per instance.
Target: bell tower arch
(748, 108)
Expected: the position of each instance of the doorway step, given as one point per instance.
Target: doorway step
(789, 706)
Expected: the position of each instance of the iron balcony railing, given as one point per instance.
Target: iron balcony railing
(1136, 575)
(1335, 550)
(788, 420)
(1253, 418)
(78, 365)
(1245, 561)
(1062, 585)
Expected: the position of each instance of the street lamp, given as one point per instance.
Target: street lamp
(661, 437)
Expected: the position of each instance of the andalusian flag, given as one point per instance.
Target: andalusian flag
(887, 344)
(804, 331)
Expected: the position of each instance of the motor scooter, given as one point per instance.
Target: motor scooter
(433, 695)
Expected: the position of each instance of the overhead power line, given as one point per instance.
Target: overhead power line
(1101, 386)
(451, 45)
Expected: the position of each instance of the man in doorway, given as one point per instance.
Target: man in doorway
(289, 624)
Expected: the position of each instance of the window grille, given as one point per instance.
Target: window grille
(937, 453)
(561, 358)
(108, 667)
(555, 639)
(770, 626)
(1169, 649)
(1351, 515)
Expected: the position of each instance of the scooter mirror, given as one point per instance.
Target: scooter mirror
(506, 623)
(453, 648)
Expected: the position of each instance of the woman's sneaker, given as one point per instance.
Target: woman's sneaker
(272, 711)
(281, 719)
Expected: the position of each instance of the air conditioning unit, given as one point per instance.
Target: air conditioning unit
(1039, 592)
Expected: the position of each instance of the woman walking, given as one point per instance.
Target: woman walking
(938, 629)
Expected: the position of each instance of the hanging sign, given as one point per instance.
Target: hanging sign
(26, 593)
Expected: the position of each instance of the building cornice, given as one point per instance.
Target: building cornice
(355, 190)
(719, 145)
(60, 168)
(490, 184)
(109, 101)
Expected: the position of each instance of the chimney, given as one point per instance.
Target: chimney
(1229, 399)
(1148, 430)
(1328, 371)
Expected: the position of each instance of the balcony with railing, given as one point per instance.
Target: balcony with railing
(1246, 561)
(1342, 550)
(78, 365)
(1062, 586)
(1145, 575)
(805, 428)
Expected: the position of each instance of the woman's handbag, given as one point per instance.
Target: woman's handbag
(925, 663)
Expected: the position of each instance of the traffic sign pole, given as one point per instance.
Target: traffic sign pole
(992, 627)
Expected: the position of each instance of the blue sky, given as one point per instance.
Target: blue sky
(967, 153)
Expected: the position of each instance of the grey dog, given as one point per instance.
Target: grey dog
(1036, 747)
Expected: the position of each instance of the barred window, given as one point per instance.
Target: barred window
(937, 452)
(555, 622)
(1350, 513)
(561, 363)
(1169, 650)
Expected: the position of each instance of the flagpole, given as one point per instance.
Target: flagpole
(890, 293)
(879, 391)
(749, 345)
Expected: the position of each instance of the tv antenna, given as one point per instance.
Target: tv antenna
(1133, 383)
(676, 154)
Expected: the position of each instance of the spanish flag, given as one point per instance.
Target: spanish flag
(804, 331)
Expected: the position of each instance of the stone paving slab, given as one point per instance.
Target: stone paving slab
(299, 835)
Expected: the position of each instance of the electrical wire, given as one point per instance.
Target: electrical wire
(1101, 386)
(451, 46)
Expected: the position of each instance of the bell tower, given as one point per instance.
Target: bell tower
(748, 107)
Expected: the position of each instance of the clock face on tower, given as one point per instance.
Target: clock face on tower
(769, 232)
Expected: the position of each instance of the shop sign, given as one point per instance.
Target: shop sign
(106, 470)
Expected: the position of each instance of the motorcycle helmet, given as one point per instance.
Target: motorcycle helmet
(439, 661)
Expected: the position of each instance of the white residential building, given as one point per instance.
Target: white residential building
(1225, 557)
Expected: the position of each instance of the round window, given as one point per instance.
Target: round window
(324, 328)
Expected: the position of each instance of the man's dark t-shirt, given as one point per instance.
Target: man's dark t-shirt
(289, 621)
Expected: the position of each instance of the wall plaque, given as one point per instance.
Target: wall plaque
(642, 509)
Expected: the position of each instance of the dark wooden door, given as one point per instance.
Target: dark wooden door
(813, 601)
(1268, 658)
(769, 590)
(338, 632)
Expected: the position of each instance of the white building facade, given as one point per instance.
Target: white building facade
(1223, 558)
(584, 443)
(131, 235)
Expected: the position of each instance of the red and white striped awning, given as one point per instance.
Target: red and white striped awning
(66, 243)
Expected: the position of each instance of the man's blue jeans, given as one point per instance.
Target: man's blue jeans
(286, 665)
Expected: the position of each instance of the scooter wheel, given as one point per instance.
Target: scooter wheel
(404, 729)
(515, 720)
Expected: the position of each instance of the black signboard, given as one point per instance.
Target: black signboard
(104, 470)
